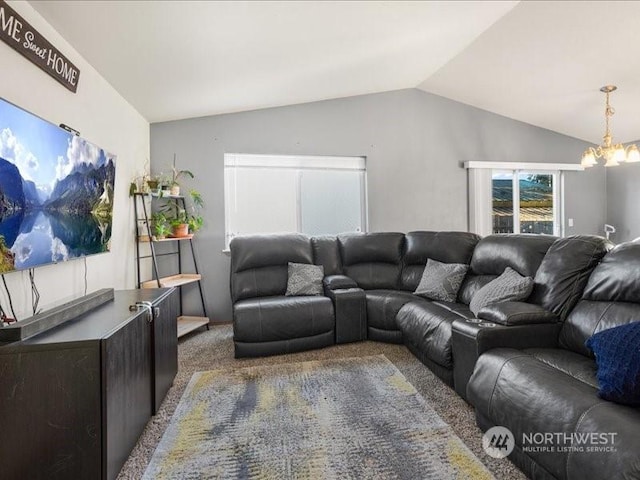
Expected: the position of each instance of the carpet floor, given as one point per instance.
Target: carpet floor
(213, 349)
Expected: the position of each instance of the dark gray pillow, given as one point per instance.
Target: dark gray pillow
(304, 279)
(508, 287)
(441, 281)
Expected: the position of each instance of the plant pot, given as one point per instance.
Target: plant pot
(175, 190)
(153, 184)
(181, 230)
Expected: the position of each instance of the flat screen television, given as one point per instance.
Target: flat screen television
(56, 192)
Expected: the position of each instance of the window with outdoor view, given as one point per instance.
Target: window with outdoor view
(524, 202)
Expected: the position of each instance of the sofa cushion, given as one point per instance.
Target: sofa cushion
(304, 279)
(259, 282)
(257, 251)
(617, 277)
(373, 260)
(441, 281)
(259, 263)
(427, 327)
(459, 309)
(280, 318)
(510, 286)
(565, 270)
(577, 366)
(522, 252)
(445, 247)
(536, 391)
(471, 284)
(611, 298)
(326, 253)
(383, 307)
(588, 318)
(617, 352)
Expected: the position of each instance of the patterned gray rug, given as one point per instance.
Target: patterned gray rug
(348, 418)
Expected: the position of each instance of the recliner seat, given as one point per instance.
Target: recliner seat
(555, 389)
(265, 321)
(427, 326)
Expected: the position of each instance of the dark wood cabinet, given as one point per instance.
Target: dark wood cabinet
(75, 399)
(165, 340)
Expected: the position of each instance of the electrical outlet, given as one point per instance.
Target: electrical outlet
(570, 222)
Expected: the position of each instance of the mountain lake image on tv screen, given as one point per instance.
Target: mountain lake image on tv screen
(56, 193)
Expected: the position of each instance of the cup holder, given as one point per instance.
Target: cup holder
(480, 322)
(487, 324)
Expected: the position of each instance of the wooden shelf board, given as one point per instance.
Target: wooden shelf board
(187, 324)
(173, 280)
(145, 238)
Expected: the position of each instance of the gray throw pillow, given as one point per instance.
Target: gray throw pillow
(441, 281)
(304, 279)
(508, 287)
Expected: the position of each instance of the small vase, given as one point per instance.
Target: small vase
(175, 190)
(181, 230)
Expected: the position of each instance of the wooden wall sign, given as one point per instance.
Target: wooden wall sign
(16, 32)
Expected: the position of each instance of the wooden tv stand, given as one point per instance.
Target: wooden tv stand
(75, 399)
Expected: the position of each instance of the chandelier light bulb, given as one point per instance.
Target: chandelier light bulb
(611, 161)
(633, 155)
(619, 154)
(589, 159)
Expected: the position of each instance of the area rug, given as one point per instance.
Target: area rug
(334, 419)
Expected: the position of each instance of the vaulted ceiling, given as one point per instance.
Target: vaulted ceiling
(539, 62)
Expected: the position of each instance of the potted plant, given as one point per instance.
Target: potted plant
(154, 183)
(195, 223)
(176, 175)
(184, 220)
(180, 227)
(160, 225)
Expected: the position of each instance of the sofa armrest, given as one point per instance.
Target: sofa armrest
(350, 306)
(338, 282)
(471, 338)
(516, 313)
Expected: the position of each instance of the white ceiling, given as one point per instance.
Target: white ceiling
(538, 62)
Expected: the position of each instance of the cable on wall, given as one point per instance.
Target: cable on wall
(35, 294)
(4, 280)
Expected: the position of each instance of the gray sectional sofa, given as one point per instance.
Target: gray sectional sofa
(522, 365)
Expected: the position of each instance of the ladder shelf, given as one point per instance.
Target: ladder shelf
(179, 279)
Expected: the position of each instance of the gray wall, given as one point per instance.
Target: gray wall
(623, 201)
(414, 142)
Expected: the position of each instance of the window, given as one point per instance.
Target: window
(524, 202)
(517, 197)
(306, 194)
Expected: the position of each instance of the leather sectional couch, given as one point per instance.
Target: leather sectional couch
(526, 360)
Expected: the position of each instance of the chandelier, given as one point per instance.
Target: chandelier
(612, 154)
